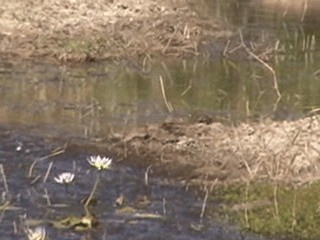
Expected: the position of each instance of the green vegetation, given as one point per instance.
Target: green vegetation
(274, 209)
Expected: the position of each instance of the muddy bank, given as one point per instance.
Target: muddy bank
(207, 152)
(93, 30)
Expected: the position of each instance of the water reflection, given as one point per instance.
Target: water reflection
(92, 97)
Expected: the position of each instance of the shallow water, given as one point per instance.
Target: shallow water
(38, 197)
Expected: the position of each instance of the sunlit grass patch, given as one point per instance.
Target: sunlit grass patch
(272, 209)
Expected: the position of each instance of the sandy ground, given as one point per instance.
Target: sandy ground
(84, 30)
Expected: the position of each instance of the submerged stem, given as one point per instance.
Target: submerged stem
(94, 188)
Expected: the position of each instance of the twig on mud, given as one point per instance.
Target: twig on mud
(204, 204)
(144, 63)
(313, 111)
(146, 175)
(167, 45)
(4, 178)
(266, 65)
(168, 104)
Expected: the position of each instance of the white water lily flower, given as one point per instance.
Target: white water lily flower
(38, 233)
(100, 162)
(64, 178)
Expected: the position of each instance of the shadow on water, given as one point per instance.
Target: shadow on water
(97, 98)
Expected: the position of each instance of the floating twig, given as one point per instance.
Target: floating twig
(168, 104)
(44, 158)
(48, 172)
(146, 175)
(4, 178)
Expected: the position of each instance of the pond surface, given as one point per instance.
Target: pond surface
(225, 86)
(153, 209)
(97, 98)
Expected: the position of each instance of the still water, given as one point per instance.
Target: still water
(90, 98)
(228, 84)
(95, 98)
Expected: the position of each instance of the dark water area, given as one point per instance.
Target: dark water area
(95, 99)
(167, 210)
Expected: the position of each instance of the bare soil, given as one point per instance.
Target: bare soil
(286, 152)
(84, 30)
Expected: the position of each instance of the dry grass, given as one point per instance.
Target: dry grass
(86, 29)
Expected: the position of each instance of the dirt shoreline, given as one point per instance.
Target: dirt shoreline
(85, 30)
(205, 153)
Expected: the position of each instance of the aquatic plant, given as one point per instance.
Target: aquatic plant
(100, 162)
(38, 233)
(65, 178)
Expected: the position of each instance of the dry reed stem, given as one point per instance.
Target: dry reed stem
(266, 65)
(47, 196)
(204, 204)
(53, 154)
(146, 175)
(164, 96)
(275, 202)
(246, 215)
(4, 179)
(48, 172)
(294, 211)
(164, 206)
(305, 8)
